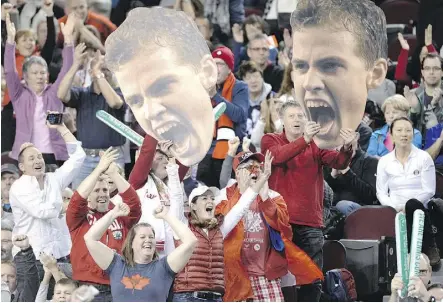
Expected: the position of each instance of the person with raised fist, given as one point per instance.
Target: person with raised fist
(21, 275)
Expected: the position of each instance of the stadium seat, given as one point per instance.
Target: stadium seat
(400, 11)
(334, 255)
(370, 223)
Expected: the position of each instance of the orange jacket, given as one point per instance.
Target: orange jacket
(103, 24)
(237, 283)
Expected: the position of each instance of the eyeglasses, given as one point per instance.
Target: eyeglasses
(434, 69)
(257, 49)
(251, 167)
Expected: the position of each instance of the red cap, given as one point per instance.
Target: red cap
(242, 157)
(225, 54)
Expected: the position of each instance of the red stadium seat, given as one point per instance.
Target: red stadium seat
(370, 223)
(400, 11)
(334, 255)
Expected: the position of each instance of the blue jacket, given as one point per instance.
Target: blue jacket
(237, 110)
(377, 146)
(432, 135)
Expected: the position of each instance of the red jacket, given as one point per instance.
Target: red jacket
(80, 218)
(142, 167)
(402, 64)
(237, 283)
(297, 174)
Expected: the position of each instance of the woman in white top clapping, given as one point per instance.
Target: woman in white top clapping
(406, 182)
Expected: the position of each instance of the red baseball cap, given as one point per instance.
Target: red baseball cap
(242, 157)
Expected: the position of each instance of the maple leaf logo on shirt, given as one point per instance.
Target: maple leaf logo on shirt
(135, 282)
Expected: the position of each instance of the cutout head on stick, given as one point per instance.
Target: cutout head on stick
(165, 71)
(339, 53)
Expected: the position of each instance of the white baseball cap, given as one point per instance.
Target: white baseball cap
(198, 191)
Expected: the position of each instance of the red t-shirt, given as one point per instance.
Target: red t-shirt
(256, 244)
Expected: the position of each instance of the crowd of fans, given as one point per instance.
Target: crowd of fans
(89, 216)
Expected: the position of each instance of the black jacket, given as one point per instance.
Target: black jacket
(28, 280)
(359, 182)
(273, 74)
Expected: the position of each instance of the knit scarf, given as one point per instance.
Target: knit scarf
(221, 147)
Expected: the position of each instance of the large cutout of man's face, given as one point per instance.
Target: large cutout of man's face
(169, 97)
(331, 78)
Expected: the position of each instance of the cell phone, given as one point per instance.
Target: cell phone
(55, 118)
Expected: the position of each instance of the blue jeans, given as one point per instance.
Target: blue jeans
(310, 240)
(189, 297)
(347, 207)
(91, 163)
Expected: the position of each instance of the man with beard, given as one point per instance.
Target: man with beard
(89, 203)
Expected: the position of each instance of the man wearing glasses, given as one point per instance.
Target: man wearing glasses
(258, 52)
(426, 101)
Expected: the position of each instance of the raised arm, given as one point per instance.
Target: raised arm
(226, 171)
(102, 254)
(178, 258)
(111, 96)
(13, 81)
(48, 49)
(241, 207)
(68, 50)
(142, 166)
(86, 187)
(402, 61)
(64, 89)
(88, 37)
(27, 273)
(175, 191)
(128, 194)
(66, 173)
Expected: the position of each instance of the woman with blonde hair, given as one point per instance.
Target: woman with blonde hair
(381, 142)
